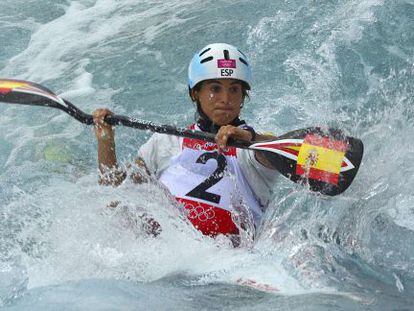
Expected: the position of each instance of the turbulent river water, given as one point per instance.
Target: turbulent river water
(347, 64)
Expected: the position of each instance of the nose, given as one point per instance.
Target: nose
(225, 97)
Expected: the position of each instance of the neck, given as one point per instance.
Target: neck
(206, 125)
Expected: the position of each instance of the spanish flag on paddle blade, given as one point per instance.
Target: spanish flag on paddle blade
(325, 159)
(320, 158)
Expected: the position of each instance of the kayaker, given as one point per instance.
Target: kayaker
(217, 185)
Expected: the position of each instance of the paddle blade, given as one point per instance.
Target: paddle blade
(28, 93)
(326, 160)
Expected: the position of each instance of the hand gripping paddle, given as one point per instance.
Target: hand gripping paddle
(325, 159)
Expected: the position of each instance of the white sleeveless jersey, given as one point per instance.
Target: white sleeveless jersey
(210, 185)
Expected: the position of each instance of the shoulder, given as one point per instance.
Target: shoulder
(161, 142)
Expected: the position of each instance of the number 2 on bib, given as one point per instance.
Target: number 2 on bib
(200, 191)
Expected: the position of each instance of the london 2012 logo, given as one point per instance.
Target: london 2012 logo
(226, 67)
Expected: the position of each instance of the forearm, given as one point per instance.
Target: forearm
(260, 157)
(245, 135)
(110, 174)
(106, 154)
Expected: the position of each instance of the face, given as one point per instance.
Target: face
(220, 99)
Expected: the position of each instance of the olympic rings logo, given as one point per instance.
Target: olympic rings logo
(199, 212)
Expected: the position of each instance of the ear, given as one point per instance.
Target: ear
(194, 95)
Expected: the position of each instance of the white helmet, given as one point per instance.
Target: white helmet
(219, 61)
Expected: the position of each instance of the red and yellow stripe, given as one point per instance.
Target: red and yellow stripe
(321, 158)
(7, 86)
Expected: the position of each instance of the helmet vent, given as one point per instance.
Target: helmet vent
(242, 53)
(206, 60)
(226, 54)
(243, 61)
(204, 52)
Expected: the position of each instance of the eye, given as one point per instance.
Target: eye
(235, 89)
(215, 88)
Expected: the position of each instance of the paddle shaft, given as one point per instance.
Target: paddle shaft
(146, 125)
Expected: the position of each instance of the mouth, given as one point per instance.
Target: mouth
(223, 109)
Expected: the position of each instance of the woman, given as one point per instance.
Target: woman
(213, 182)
